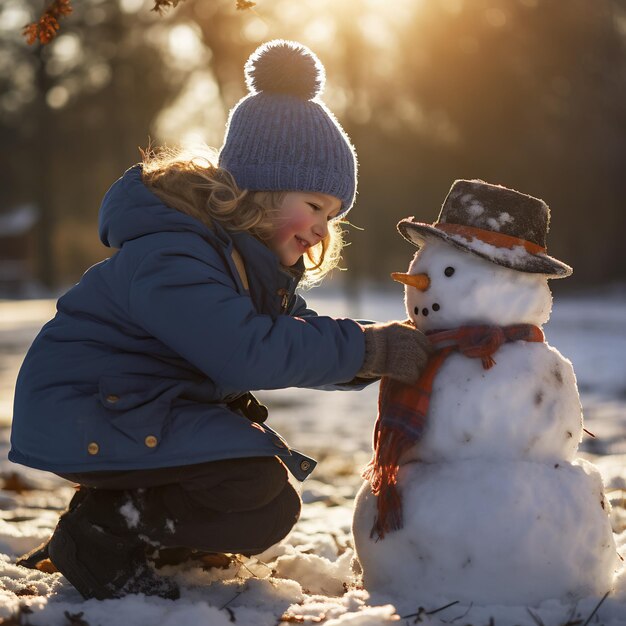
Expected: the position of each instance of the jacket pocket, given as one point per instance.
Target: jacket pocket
(139, 406)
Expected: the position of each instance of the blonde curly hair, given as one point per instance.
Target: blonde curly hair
(189, 181)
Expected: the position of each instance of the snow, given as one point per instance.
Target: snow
(496, 223)
(512, 255)
(336, 428)
(130, 513)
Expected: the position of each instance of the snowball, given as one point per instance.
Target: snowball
(500, 532)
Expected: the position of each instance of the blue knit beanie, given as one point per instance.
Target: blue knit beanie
(281, 136)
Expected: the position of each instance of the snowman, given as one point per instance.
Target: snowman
(474, 493)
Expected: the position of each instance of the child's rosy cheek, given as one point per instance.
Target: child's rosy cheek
(293, 226)
(301, 223)
(283, 233)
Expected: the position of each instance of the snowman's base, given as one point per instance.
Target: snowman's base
(514, 533)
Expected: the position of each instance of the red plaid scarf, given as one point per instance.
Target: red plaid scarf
(402, 409)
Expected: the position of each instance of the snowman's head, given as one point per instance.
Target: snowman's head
(452, 287)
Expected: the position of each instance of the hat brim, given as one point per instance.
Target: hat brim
(520, 260)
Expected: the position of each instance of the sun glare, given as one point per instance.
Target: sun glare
(131, 6)
(184, 43)
(196, 116)
(12, 17)
(321, 30)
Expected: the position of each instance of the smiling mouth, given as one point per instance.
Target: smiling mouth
(303, 242)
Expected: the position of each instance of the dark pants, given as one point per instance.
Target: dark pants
(237, 505)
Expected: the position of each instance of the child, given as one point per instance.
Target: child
(138, 389)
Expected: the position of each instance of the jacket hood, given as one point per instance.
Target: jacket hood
(130, 210)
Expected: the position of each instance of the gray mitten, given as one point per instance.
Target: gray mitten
(394, 349)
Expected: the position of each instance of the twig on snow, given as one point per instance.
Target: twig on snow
(441, 608)
(536, 618)
(422, 611)
(242, 565)
(75, 619)
(469, 608)
(604, 597)
(224, 607)
(232, 599)
(418, 616)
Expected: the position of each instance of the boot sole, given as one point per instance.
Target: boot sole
(36, 555)
(63, 554)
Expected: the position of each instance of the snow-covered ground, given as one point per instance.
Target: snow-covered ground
(309, 577)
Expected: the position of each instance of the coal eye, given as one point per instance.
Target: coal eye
(448, 271)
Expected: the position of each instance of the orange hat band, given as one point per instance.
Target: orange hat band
(487, 236)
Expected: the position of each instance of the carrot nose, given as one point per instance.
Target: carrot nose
(419, 281)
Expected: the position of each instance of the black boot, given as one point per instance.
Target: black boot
(100, 555)
(35, 558)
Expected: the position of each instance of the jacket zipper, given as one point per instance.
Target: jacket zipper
(287, 295)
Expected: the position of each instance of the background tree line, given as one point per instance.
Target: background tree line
(527, 93)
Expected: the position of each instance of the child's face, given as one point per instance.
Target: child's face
(301, 223)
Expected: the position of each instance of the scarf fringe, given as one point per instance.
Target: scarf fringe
(382, 474)
(488, 362)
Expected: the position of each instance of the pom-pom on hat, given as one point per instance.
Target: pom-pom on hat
(281, 136)
(499, 224)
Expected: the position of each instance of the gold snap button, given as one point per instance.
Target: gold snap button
(93, 448)
(305, 466)
(112, 398)
(151, 441)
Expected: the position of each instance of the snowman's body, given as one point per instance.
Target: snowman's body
(525, 407)
(495, 509)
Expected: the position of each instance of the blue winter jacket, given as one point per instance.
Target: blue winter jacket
(137, 366)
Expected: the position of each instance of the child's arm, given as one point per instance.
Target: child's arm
(192, 305)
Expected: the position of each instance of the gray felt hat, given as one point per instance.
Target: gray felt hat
(499, 224)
